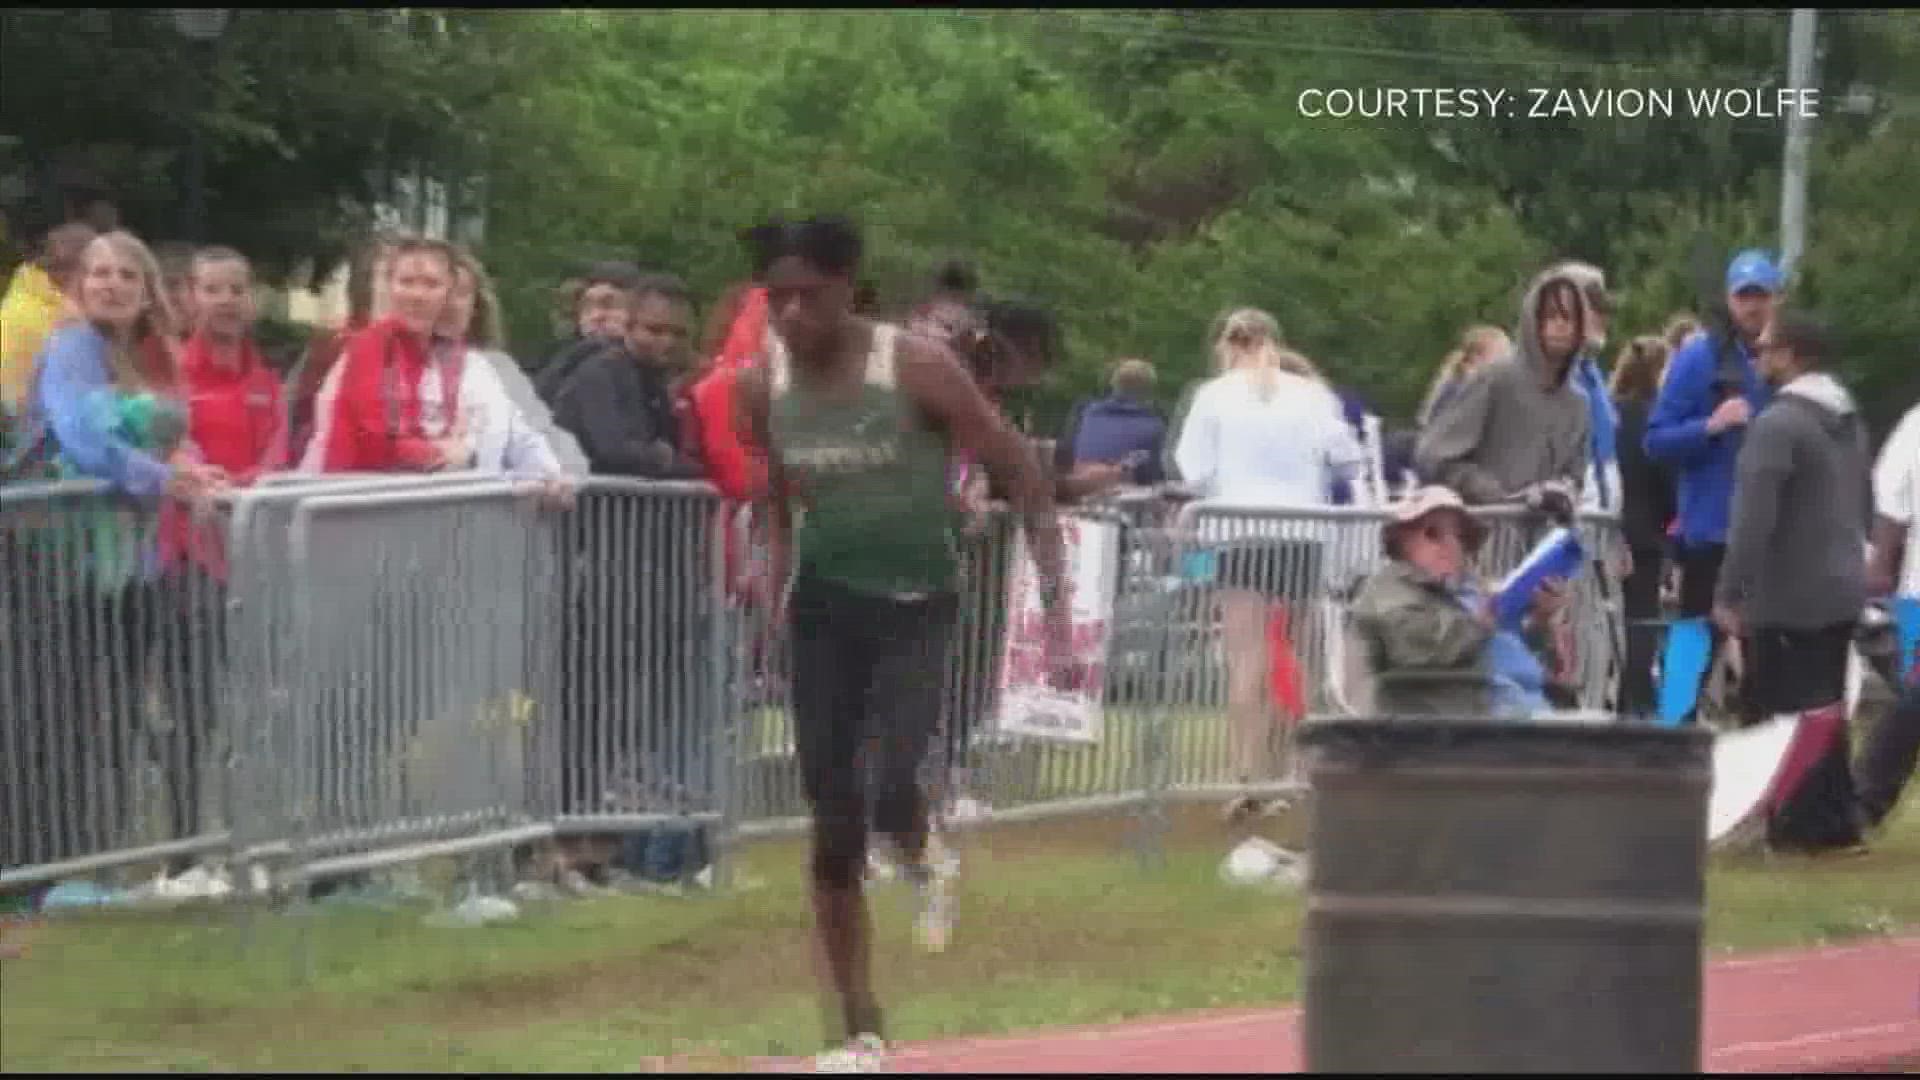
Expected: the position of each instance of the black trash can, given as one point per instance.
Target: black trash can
(1505, 896)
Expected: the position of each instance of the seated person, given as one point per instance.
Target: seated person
(1429, 635)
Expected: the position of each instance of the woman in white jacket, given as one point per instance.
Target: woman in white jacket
(1266, 435)
(487, 431)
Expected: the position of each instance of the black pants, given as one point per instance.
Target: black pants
(867, 685)
(1887, 760)
(1791, 671)
(1640, 595)
(1699, 576)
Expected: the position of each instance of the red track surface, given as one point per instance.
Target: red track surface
(1854, 1007)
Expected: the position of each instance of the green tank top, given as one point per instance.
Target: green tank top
(870, 480)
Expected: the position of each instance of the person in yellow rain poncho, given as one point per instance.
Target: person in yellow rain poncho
(35, 301)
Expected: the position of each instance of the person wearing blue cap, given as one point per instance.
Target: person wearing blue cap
(1712, 390)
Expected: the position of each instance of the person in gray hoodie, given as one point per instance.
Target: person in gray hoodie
(1518, 427)
(1794, 581)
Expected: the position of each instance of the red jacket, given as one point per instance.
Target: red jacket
(237, 416)
(740, 473)
(372, 423)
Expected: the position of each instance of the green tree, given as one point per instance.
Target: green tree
(301, 112)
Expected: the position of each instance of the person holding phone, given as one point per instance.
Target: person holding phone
(1124, 430)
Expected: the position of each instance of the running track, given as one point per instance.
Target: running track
(1846, 1008)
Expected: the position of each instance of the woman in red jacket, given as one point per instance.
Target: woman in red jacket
(394, 399)
(238, 416)
(366, 301)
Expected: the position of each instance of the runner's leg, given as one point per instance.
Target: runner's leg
(831, 673)
(912, 639)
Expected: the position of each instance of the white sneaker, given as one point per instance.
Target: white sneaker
(577, 885)
(933, 926)
(968, 808)
(862, 1054)
(880, 868)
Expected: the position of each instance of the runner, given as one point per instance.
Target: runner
(859, 421)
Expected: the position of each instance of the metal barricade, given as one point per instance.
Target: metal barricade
(424, 665)
(1259, 618)
(1017, 777)
(633, 735)
(110, 662)
(265, 654)
(407, 736)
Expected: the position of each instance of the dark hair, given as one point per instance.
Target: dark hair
(956, 275)
(1804, 335)
(1027, 325)
(866, 297)
(1574, 298)
(828, 243)
(615, 272)
(62, 248)
(665, 286)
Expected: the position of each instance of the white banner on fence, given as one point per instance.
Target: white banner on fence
(1028, 704)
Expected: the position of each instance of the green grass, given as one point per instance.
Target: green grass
(1058, 927)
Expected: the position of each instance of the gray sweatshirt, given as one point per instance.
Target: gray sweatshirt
(520, 389)
(1504, 430)
(1802, 505)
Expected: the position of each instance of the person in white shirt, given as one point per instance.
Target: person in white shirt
(1265, 435)
(487, 432)
(1887, 759)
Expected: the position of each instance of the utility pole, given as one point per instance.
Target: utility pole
(1793, 180)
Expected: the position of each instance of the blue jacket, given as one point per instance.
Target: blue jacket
(74, 367)
(1109, 429)
(1677, 436)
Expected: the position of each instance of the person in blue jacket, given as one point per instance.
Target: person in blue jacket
(106, 406)
(1712, 391)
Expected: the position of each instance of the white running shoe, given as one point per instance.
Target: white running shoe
(880, 866)
(933, 926)
(966, 808)
(862, 1054)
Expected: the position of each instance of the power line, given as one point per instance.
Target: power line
(1120, 24)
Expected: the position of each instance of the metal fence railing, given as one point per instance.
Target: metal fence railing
(339, 674)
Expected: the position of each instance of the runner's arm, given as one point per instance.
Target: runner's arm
(949, 396)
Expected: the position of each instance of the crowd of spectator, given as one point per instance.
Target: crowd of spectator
(1734, 458)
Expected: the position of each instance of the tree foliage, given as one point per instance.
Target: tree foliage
(300, 112)
(1140, 170)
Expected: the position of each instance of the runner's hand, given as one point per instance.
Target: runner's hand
(973, 505)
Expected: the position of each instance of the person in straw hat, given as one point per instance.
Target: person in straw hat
(1430, 637)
